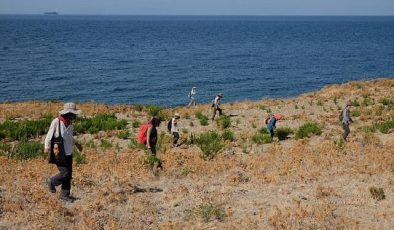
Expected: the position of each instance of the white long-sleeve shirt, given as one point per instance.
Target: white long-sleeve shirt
(174, 125)
(67, 134)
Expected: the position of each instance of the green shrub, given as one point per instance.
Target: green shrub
(210, 144)
(261, 138)
(26, 150)
(136, 124)
(228, 135)
(78, 157)
(125, 134)
(203, 119)
(102, 122)
(153, 110)
(210, 212)
(23, 130)
(105, 144)
(283, 132)
(355, 113)
(383, 126)
(90, 144)
(263, 131)
(135, 144)
(355, 102)
(223, 121)
(152, 160)
(386, 101)
(377, 193)
(307, 129)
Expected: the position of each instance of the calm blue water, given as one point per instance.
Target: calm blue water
(157, 59)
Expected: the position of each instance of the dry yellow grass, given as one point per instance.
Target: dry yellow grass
(314, 183)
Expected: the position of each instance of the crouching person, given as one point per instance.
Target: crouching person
(61, 127)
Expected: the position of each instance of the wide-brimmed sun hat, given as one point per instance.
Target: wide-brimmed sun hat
(177, 115)
(69, 107)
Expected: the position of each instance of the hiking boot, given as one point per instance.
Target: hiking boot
(65, 196)
(51, 187)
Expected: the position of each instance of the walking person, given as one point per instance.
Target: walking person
(346, 120)
(175, 129)
(62, 126)
(216, 105)
(271, 124)
(151, 135)
(191, 96)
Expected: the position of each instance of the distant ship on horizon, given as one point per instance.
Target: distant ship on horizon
(51, 13)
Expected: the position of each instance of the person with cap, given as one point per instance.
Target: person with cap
(216, 105)
(63, 125)
(175, 129)
(191, 96)
(346, 120)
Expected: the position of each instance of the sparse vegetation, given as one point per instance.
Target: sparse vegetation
(355, 102)
(223, 121)
(25, 151)
(228, 135)
(124, 134)
(210, 144)
(355, 113)
(307, 129)
(151, 160)
(283, 132)
(102, 122)
(386, 101)
(78, 157)
(203, 119)
(260, 138)
(377, 193)
(105, 144)
(23, 130)
(383, 126)
(136, 124)
(210, 212)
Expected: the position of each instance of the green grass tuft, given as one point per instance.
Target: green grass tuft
(307, 129)
(283, 132)
(210, 144)
(223, 122)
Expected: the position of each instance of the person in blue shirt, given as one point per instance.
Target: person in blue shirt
(271, 125)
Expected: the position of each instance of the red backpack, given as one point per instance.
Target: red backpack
(142, 133)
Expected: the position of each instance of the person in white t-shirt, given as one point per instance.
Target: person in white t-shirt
(64, 122)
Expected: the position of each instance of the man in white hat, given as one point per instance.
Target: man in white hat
(216, 105)
(63, 125)
(175, 129)
(191, 96)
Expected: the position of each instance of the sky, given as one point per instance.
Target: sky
(200, 7)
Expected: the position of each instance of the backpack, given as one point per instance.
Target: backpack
(169, 126)
(142, 133)
(341, 116)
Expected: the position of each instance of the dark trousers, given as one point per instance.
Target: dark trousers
(175, 138)
(346, 130)
(152, 150)
(214, 112)
(65, 174)
(271, 132)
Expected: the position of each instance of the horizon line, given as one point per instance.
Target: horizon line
(209, 15)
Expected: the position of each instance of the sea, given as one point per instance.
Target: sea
(158, 59)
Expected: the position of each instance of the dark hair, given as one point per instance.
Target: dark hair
(155, 121)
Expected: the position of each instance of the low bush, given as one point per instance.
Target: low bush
(263, 131)
(383, 126)
(23, 130)
(135, 144)
(210, 212)
(136, 124)
(307, 129)
(377, 193)
(386, 101)
(355, 113)
(355, 102)
(210, 144)
(125, 134)
(283, 132)
(102, 122)
(261, 138)
(223, 121)
(26, 150)
(151, 160)
(228, 135)
(157, 111)
(78, 157)
(203, 119)
(105, 144)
